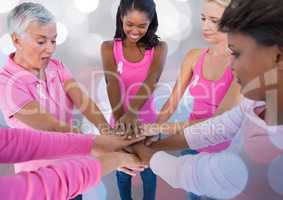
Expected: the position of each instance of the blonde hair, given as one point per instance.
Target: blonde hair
(224, 3)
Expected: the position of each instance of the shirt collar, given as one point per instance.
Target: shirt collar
(24, 75)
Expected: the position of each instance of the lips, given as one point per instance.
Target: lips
(45, 59)
(134, 37)
(207, 35)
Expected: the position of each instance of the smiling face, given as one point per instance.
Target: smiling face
(211, 15)
(253, 63)
(135, 25)
(35, 47)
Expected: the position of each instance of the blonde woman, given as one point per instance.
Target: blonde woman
(207, 75)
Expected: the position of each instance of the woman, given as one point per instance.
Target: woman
(250, 168)
(37, 91)
(133, 63)
(207, 75)
(75, 172)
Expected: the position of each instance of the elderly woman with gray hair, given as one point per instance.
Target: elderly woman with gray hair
(39, 92)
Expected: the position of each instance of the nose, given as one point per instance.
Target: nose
(50, 48)
(135, 31)
(206, 25)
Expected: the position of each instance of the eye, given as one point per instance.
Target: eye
(216, 21)
(53, 41)
(40, 42)
(235, 54)
(142, 26)
(203, 19)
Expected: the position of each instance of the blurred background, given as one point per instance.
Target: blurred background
(82, 26)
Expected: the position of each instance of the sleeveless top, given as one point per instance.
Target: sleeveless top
(132, 75)
(208, 95)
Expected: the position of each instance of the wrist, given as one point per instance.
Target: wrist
(120, 159)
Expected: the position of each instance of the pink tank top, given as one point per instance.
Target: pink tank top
(132, 76)
(208, 95)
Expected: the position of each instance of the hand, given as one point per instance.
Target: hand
(143, 152)
(150, 129)
(110, 143)
(129, 125)
(131, 164)
(149, 140)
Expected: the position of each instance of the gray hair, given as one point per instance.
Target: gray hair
(22, 15)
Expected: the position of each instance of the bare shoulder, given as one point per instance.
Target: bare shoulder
(193, 53)
(162, 45)
(161, 49)
(191, 58)
(107, 46)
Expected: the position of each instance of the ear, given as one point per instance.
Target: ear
(16, 40)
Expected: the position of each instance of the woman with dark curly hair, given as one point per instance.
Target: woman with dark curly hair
(133, 63)
(251, 168)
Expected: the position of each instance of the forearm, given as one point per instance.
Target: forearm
(62, 180)
(110, 162)
(26, 144)
(167, 110)
(142, 96)
(95, 116)
(172, 143)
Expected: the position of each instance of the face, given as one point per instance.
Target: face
(253, 64)
(135, 25)
(211, 15)
(35, 47)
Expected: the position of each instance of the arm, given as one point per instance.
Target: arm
(180, 86)
(112, 79)
(129, 120)
(223, 175)
(19, 145)
(210, 132)
(202, 174)
(64, 179)
(231, 99)
(33, 115)
(85, 104)
(149, 84)
(61, 180)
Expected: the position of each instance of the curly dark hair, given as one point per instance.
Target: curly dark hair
(260, 19)
(150, 39)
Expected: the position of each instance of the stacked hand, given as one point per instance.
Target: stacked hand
(128, 125)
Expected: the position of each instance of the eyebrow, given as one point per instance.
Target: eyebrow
(43, 36)
(144, 24)
(210, 17)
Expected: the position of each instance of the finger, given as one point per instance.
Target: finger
(138, 168)
(135, 140)
(127, 171)
(148, 142)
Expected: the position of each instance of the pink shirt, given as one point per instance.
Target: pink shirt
(132, 76)
(208, 95)
(251, 168)
(64, 179)
(18, 87)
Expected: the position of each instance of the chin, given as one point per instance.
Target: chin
(210, 40)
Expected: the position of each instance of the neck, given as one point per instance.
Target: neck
(128, 43)
(219, 49)
(18, 59)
